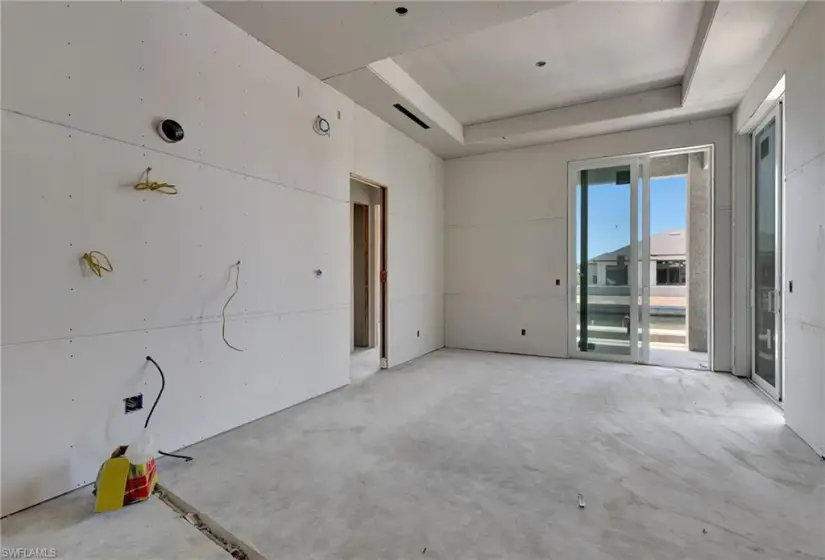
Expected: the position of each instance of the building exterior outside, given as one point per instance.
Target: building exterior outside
(668, 270)
(609, 288)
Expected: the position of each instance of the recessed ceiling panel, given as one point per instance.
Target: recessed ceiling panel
(741, 39)
(589, 50)
(331, 38)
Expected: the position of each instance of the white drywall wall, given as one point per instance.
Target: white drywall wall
(801, 58)
(360, 193)
(415, 234)
(506, 238)
(83, 84)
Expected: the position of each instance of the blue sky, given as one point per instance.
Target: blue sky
(609, 213)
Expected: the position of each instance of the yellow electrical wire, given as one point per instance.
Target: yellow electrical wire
(95, 264)
(237, 266)
(154, 186)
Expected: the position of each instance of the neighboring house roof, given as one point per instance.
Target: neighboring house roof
(665, 243)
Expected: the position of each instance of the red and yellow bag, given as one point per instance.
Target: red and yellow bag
(120, 482)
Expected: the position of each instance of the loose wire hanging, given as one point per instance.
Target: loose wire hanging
(186, 458)
(154, 186)
(237, 267)
(95, 264)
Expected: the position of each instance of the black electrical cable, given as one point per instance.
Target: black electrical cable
(186, 458)
(157, 399)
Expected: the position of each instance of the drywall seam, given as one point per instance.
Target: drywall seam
(250, 120)
(529, 185)
(217, 320)
(508, 222)
(403, 299)
(635, 130)
(801, 166)
(177, 156)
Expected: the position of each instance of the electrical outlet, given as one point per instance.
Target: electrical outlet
(523, 332)
(133, 404)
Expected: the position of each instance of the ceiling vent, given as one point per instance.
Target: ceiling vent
(410, 116)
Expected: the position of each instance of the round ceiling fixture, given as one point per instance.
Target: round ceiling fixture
(401, 11)
(541, 63)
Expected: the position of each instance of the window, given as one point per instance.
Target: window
(670, 273)
(616, 275)
(595, 279)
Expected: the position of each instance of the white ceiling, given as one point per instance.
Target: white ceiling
(467, 68)
(593, 50)
(330, 38)
(738, 44)
(369, 90)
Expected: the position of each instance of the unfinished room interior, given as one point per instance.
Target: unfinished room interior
(387, 280)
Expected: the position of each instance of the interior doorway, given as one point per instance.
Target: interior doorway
(361, 281)
(640, 258)
(369, 277)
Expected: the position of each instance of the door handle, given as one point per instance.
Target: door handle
(774, 301)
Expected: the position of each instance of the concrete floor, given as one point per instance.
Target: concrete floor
(145, 531)
(475, 455)
(676, 357)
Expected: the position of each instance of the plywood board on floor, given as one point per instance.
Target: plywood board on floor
(145, 531)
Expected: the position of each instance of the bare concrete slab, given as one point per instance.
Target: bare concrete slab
(144, 531)
(474, 455)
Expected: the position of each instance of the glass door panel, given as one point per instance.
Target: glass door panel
(767, 256)
(606, 275)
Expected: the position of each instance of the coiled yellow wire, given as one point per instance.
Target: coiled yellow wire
(95, 264)
(154, 186)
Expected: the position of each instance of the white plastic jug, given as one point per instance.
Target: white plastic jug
(142, 449)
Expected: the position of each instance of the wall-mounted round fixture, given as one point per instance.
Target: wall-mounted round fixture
(321, 126)
(541, 63)
(401, 11)
(171, 131)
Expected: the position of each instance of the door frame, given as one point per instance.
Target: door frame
(775, 113)
(573, 170)
(644, 258)
(644, 158)
(383, 253)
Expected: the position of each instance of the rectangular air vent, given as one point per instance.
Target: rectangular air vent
(412, 117)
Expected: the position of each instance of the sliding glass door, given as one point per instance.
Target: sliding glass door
(640, 252)
(609, 304)
(767, 254)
